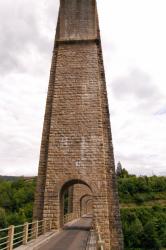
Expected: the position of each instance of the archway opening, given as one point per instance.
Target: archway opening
(86, 204)
(70, 195)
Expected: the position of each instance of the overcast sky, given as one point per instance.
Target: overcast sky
(134, 46)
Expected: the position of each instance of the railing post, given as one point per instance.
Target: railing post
(36, 229)
(11, 237)
(25, 233)
(101, 244)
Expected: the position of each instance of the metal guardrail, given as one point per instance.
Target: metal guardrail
(15, 236)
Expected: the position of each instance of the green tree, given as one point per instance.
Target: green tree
(121, 172)
(132, 229)
(3, 221)
(150, 239)
(119, 169)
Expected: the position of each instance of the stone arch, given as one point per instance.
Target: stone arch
(90, 197)
(72, 182)
(89, 204)
(66, 185)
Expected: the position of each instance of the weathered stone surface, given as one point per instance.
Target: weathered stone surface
(79, 191)
(78, 20)
(77, 143)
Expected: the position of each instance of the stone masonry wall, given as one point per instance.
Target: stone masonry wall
(77, 142)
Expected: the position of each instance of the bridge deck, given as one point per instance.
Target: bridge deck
(73, 237)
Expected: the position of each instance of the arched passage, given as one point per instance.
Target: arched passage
(65, 198)
(83, 199)
(89, 206)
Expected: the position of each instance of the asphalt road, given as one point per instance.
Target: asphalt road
(73, 237)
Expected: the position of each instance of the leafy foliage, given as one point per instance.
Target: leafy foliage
(16, 201)
(144, 228)
(121, 172)
(143, 217)
(141, 189)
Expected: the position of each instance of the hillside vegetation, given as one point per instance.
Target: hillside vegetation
(143, 211)
(142, 202)
(16, 201)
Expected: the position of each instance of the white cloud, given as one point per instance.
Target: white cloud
(134, 38)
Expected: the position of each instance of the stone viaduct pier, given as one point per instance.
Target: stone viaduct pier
(76, 158)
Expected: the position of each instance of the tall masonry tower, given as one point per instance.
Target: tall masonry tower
(76, 146)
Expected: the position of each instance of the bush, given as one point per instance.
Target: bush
(3, 221)
(16, 199)
(144, 228)
(139, 199)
